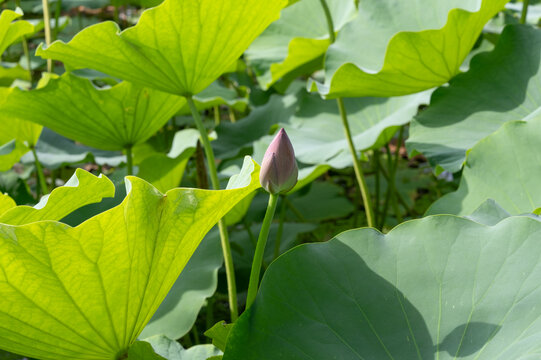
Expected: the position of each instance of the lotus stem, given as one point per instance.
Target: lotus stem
(361, 181)
(39, 171)
(224, 237)
(377, 170)
(27, 56)
(47, 27)
(332, 36)
(129, 159)
(260, 250)
(524, 15)
(343, 114)
(280, 232)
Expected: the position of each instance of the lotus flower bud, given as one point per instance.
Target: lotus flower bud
(279, 169)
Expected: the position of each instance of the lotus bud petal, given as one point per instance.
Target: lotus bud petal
(279, 169)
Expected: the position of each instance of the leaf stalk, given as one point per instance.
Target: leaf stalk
(41, 175)
(260, 250)
(47, 27)
(359, 174)
(129, 159)
(524, 15)
(224, 237)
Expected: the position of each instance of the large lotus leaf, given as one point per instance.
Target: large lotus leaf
(82, 189)
(11, 31)
(87, 292)
(172, 350)
(402, 47)
(109, 119)
(300, 35)
(501, 86)
(317, 133)
(198, 281)
(180, 47)
(441, 287)
(504, 167)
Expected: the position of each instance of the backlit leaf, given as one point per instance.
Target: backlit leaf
(180, 47)
(87, 292)
(109, 119)
(82, 189)
(300, 35)
(10, 30)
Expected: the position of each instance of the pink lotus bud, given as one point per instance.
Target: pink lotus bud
(279, 169)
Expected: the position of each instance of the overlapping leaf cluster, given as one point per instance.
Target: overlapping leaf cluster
(459, 81)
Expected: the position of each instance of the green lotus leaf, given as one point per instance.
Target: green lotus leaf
(198, 281)
(234, 137)
(165, 171)
(172, 350)
(179, 47)
(6, 203)
(87, 292)
(142, 350)
(12, 31)
(300, 36)
(403, 47)
(110, 119)
(501, 86)
(82, 189)
(55, 151)
(9, 74)
(317, 133)
(219, 333)
(17, 136)
(441, 287)
(489, 213)
(315, 127)
(502, 167)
